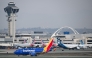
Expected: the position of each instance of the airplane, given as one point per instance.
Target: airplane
(54, 44)
(44, 44)
(34, 51)
(39, 43)
(82, 45)
(67, 46)
(24, 44)
(32, 45)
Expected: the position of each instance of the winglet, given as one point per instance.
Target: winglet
(49, 45)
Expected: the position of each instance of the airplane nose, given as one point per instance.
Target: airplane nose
(15, 52)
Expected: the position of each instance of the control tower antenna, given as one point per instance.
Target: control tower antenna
(11, 11)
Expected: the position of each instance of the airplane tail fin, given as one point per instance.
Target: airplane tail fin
(48, 46)
(59, 42)
(81, 42)
(25, 41)
(33, 41)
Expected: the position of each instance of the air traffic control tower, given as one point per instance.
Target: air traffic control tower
(11, 11)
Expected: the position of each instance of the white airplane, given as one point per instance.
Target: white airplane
(34, 43)
(41, 43)
(82, 45)
(67, 46)
(24, 44)
(38, 43)
(44, 44)
(70, 46)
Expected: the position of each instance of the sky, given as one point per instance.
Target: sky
(49, 13)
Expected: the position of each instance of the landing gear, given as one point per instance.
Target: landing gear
(33, 55)
(72, 48)
(62, 50)
(36, 55)
(37, 46)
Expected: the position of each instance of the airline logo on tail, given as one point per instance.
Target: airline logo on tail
(49, 45)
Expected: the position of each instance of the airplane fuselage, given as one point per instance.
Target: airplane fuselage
(66, 46)
(27, 51)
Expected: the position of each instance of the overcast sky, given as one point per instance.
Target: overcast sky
(49, 13)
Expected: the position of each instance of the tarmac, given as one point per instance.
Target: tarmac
(59, 53)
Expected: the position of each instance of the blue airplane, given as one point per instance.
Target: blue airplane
(34, 51)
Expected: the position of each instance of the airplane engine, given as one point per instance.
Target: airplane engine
(78, 47)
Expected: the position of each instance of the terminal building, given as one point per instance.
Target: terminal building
(74, 38)
(5, 40)
(65, 37)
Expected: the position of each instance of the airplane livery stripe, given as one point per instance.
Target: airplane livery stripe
(49, 46)
(46, 49)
